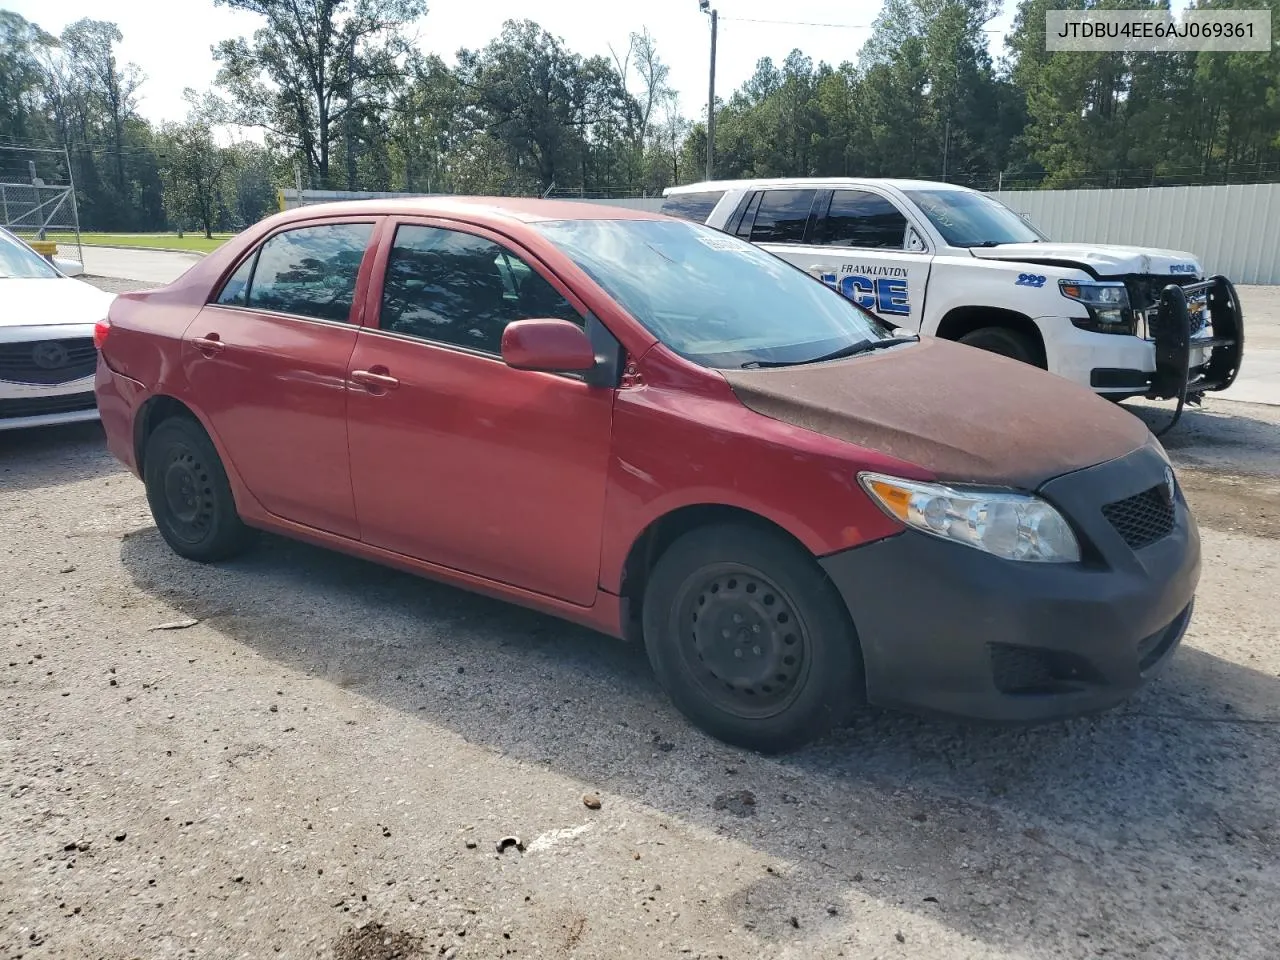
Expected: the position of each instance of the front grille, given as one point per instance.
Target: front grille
(1142, 519)
(47, 361)
(41, 406)
(1144, 296)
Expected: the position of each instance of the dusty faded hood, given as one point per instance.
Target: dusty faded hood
(965, 415)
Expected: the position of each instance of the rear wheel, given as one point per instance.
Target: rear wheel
(749, 638)
(1008, 343)
(189, 494)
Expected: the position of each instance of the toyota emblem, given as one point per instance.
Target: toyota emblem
(50, 355)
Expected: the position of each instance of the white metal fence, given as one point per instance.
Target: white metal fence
(1234, 230)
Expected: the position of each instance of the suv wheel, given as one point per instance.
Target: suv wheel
(1008, 343)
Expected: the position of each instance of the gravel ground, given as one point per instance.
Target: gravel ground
(321, 757)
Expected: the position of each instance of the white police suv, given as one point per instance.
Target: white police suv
(958, 264)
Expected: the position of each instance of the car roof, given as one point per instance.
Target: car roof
(480, 209)
(709, 185)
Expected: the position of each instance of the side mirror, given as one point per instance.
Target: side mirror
(550, 346)
(72, 268)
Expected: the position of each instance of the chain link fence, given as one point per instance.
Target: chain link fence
(42, 204)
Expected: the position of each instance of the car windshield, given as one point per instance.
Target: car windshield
(20, 262)
(969, 219)
(712, 298)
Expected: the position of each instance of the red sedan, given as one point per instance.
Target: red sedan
(660, 431)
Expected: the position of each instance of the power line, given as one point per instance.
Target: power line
(810, 23)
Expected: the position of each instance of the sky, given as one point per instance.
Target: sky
(173, 48)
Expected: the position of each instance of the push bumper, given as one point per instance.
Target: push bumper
(946, 628)
(1175, 354)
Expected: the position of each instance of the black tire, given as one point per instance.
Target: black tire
(790, 673)
(189, 494)
(1008, 343)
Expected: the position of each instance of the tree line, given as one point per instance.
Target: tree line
(340, 92)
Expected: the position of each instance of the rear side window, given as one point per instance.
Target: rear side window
(311, 271)
(691, 206)
(782, 216)
(860, 219)
(460, 289)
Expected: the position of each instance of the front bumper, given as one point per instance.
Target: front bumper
(946, 628)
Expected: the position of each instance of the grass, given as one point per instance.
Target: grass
(169, 241)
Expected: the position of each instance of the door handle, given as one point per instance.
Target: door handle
(209, 345)
(371, 378)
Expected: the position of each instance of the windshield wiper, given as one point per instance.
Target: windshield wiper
(861, 346)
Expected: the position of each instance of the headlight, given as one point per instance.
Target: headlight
(1107, 303)
(1014, 526)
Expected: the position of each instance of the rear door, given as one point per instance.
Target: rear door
(457, 459)
(267, 364)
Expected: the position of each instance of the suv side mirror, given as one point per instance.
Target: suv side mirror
(549, 346)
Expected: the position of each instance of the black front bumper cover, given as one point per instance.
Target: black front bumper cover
(947, 628)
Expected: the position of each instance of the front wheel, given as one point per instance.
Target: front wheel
(749, 638)
(189, 495)
(1007, 343)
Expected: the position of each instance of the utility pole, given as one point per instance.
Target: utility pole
(705, 7)
(946, 149)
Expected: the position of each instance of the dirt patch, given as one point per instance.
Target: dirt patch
(1234, 504)
(373, 941)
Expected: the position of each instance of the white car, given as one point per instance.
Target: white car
(47, 357)
(957, 264)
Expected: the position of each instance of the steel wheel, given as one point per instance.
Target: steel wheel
(744, 642)
(188, 494)
(749, 638)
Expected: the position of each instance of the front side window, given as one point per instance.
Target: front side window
(857, 218)
(461, 289)
(713, 298)
(311, 271)
(966, 218)
(782, 216)
(691, 206)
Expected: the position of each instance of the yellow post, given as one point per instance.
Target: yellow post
(46, 248)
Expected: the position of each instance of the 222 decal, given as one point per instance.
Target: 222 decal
(1030, 280)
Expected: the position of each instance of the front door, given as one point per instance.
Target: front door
(457, 459)
(267, 360)
(860, 243)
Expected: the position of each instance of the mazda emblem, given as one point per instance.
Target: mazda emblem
(50, 355)
(1170, 485)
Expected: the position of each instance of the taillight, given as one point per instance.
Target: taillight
(100, 331)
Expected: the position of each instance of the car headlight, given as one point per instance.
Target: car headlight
(1107, 303)
(1015, 526)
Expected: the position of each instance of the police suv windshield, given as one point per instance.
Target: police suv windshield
(712, 298)
(969, 219)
